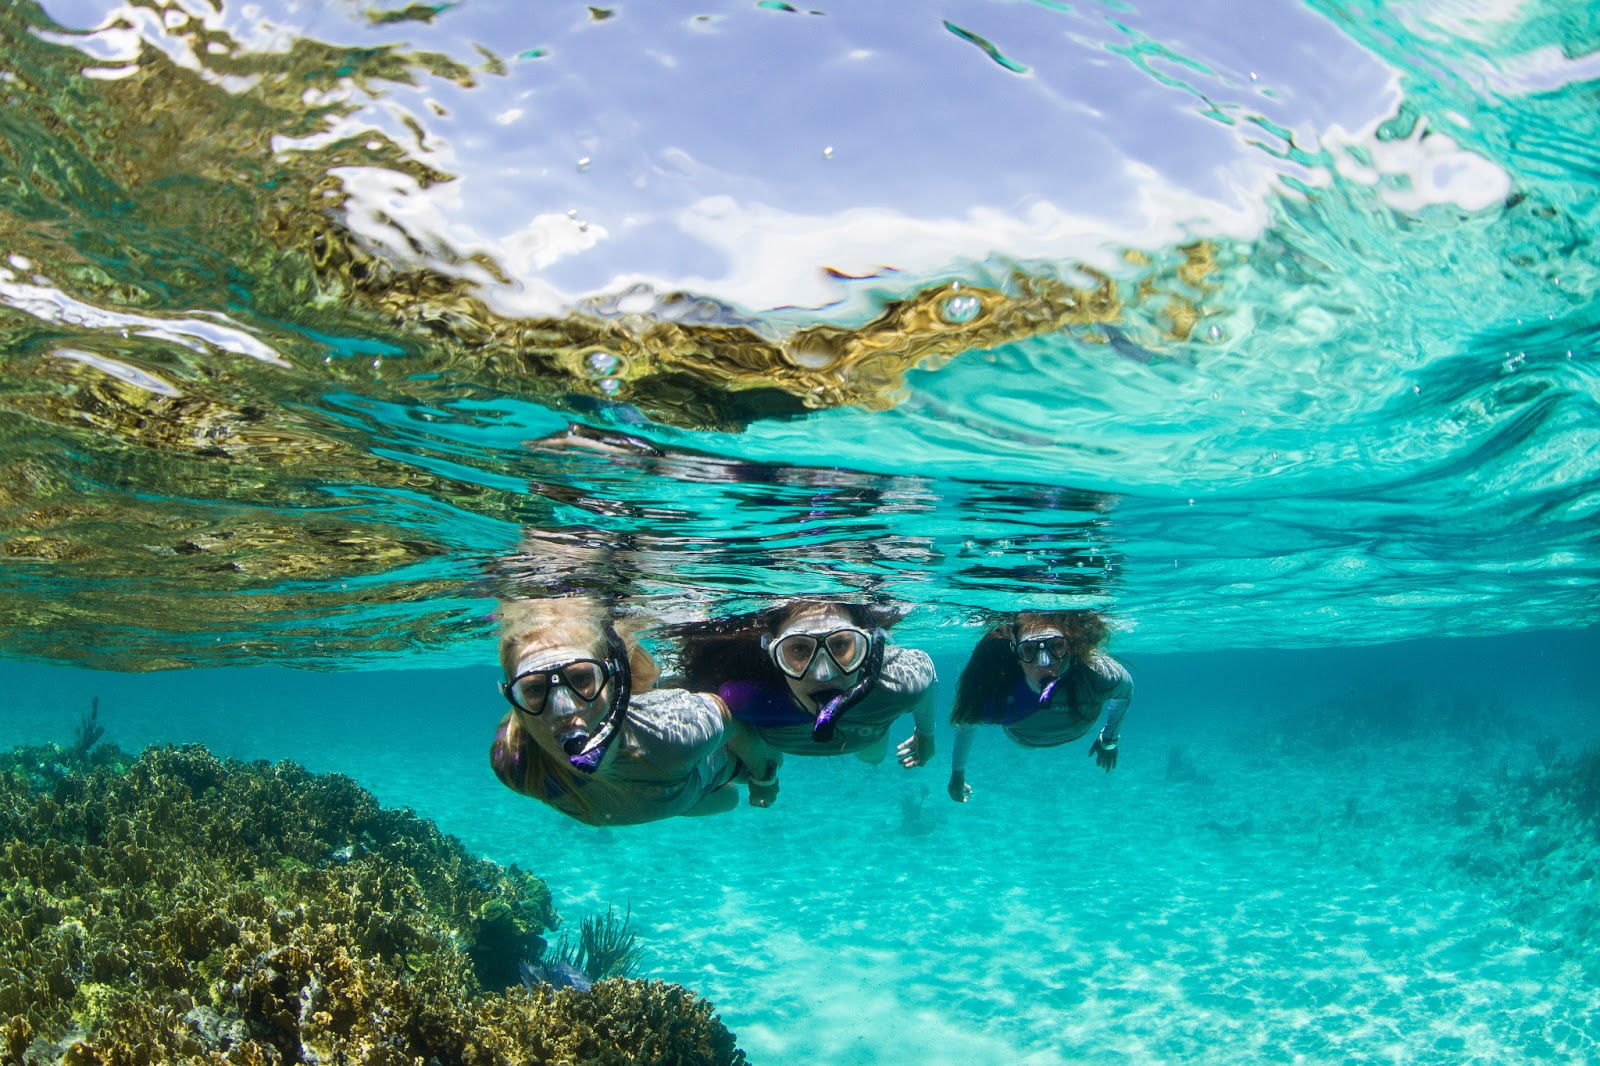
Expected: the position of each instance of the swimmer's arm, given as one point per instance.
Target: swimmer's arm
(746, 745)
(1116, 700)
(917, 749)
(760, 760)
(958, 788)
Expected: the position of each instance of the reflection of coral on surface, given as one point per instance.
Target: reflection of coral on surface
(183, 907)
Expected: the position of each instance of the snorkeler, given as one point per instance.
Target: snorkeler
(815, 678)
(585, 735)
(1044, 679)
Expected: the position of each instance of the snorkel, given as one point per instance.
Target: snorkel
(829, 712)
(585, 750)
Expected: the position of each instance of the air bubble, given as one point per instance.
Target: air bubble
(1215, 333)
(610, 386)
(601, 364)
(959, 310)
(583, 164)
(827, 153)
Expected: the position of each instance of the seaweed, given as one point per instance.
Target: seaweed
(87, 735)
(605, 948)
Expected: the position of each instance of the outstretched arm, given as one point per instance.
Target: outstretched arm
(1113, 677)
(760, 759)
(958, 788)
(917, 750)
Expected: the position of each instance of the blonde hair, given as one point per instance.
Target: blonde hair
(571, 621)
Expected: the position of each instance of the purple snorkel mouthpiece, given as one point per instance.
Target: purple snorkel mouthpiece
(587, 761)
(822, 731)
(585, 751)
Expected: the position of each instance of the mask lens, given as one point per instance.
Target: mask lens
(586, 679)
(794, 653)
(848, 647)
(530, 691)
(1028, 650)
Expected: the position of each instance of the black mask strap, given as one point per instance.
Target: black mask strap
(585, 751)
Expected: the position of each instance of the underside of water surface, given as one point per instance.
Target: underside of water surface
(1252, 345)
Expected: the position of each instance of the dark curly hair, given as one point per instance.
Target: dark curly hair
(993, 668)
(729, 649)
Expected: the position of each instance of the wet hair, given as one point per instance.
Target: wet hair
(570, 621)
(729, 649)
(993, 669)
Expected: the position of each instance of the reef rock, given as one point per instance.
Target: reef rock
(181, 907)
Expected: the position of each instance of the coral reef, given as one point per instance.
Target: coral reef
(181, 907)
(1385, 713)
(1536, 841)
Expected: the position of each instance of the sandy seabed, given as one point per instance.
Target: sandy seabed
(1273, 902)
(1271, 909)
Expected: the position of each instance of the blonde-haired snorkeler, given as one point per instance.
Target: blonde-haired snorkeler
(1045, 680)
(813, 677)
(587, 736)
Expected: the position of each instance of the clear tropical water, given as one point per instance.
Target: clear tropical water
(1269, 330)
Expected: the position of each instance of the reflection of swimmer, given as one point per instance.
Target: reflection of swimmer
(815, 678)
(1045, 680)
(585, 737)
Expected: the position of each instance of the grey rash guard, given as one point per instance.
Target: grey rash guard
(1099, 685)
(1102, 683)
(666, 758)
(906, 683)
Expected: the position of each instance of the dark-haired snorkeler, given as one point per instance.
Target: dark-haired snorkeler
(1044, 678)
(585, 735)
(815, 678)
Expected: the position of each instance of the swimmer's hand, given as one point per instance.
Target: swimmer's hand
(916, 751)
(1104, 755)
(958, 788)
(763, 793)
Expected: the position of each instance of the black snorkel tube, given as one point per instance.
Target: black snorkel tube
(822, 731)
(586, 750)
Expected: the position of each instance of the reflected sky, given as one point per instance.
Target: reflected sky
(738, 149)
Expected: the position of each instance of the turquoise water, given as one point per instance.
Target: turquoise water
(1298, 896)
(1269, 331)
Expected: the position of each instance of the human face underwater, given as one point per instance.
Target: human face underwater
(563, 693)
(820, 651)
(1041, 651)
